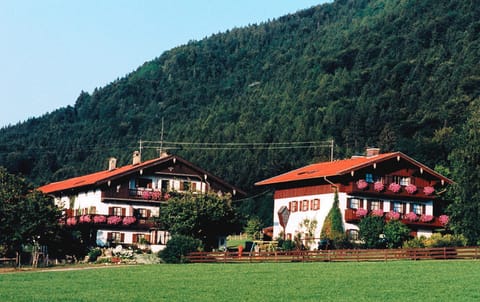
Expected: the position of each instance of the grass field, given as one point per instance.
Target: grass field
(451, 280)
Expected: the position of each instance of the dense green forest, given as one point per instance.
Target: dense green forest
(396, 74)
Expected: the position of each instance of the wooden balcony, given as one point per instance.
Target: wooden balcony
(351, 217)
(352, 189)
(98, 221)
(141, 194)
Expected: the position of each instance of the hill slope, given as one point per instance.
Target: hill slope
(394, 74)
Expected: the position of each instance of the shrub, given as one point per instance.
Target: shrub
(417, 242)
(93, 254)
(254, 228)
(371, 227)
(178, 247)
(395, 233)
(288, 245)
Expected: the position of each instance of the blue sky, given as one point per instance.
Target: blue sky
(51, 50)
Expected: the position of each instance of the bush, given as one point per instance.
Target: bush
(254, 228)
(93, 254)
(395, 233)
(178, 247)
(371, 227)
(437, 240)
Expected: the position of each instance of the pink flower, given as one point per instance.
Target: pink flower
(85, 219)
(156, 195)
(377, 212)
(378, 186)
(444, 219)
(99, 219)
(362, 184)
(394, 187)
(428, 190)
(411, 188)
(114, 220)
(393, 215)
(146, 195)
(361, 212)
(411, 216)
(166, 196)
(128, 220)
(426, 218)
(71, 221)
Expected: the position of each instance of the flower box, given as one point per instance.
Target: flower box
(362, 184)
(378, 186)
(392, 215)
(128, 220)
(361, 213)
(71, 221)
(428, 190)
(394, 187)
(377, 213)
(443, 219)
(411, 217)
(114, 220)
(99, 219)
(411, 188)
(85, 219)
(426, 218)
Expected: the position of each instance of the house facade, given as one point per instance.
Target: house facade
(120, 205)
(391, 185)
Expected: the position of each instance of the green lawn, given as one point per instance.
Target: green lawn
(452, 280)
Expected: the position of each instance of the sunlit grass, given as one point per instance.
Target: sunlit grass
(365, 281)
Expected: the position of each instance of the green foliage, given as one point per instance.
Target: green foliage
(93, 254)
(254, 228)
(371, 227)
(201, 216)
(332, 228)
(437, 240)
(395, 233)
(26, 217)
(178, 247)
(465, 210)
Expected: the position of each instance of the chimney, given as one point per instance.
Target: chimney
(112, 163)
(136, 158)
(372, 152)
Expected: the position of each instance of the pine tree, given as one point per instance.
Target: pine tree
(332, 229)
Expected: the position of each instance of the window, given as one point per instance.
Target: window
(417, 208)
(293, 206)
(304, 205)
(398, 207)
(115, 236)
(117, 211)
(354, 203)
(185, 185)
(369, 178)
(315, 204)
(165, 185)
(143, 213)
(375, 205)
(352, 235)
(404, 181)
(289, 236)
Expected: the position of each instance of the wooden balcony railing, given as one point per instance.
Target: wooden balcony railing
(111, 221)
(352, 217)
(370, 190)
(148, 195)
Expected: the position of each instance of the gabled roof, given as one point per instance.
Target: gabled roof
(98, 178)
(341, 167)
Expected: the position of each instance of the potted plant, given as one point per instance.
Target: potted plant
(378, 186)
(394, 187)
(428, 190)
(411, 217)
(411, 188)
(361, 213)
(443, 219)
(392, 215)
(362, 184)
(377, 212)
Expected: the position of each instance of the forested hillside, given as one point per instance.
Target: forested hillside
(396, 74)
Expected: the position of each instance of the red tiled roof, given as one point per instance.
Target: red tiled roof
(94, 178)
(339, 167)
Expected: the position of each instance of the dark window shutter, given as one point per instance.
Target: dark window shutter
(134, 238)
(381, 204)
(423, 209)
(149, 212)
(110, 210)
(124, 211)
(109, 236)
(122, 237)
(147, 237)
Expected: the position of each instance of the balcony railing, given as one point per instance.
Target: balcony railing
(145, 194)
(352, 217)
(111, 221)
(403, 191)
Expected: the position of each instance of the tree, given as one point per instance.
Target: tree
(178, 247)
(254, 228)
(395, 233)
(202, 216)
(26, 216)
(332, 229)
(465, 209)
(371, 227)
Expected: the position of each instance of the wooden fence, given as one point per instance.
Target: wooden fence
(337, 255)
